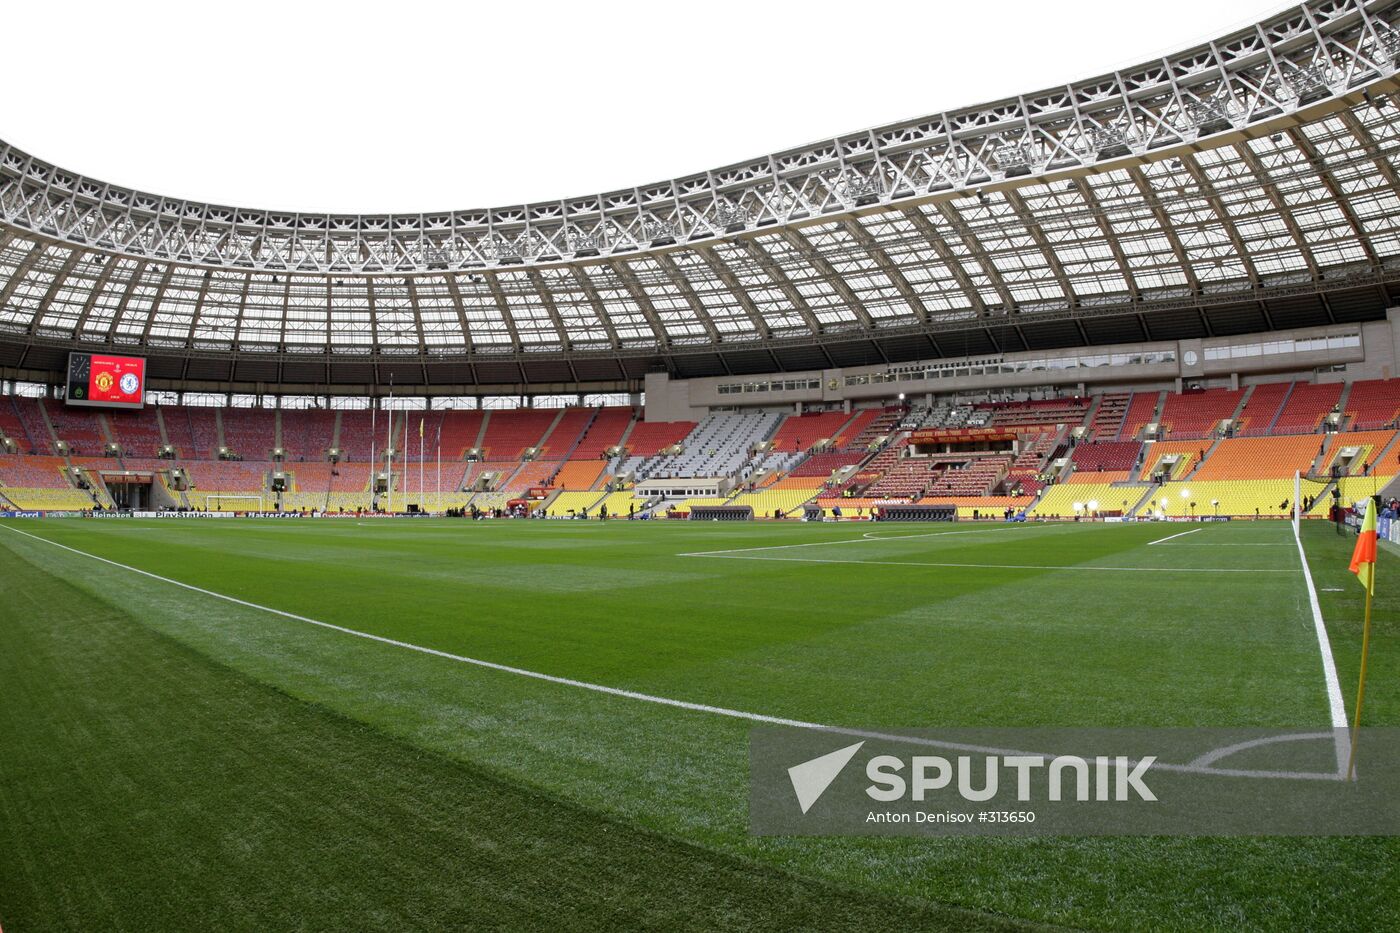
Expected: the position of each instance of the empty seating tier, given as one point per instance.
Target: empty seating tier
(1197, 414)
(1108, 417)
(606, 431)
(1373, 404)
(307, 435)
(1242, 498)
(649, 437)
(1156, 457)
(1108, 455)
(510, 432)
(1141, 410)
(1059, 501)
(1264, 405)
(1305, 408)
(1259, 458)
(573, 502)
(800, 432)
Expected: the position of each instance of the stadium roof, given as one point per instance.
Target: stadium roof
(1242, 185)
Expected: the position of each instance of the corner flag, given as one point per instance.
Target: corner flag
(1363, 558)
(1363, 564)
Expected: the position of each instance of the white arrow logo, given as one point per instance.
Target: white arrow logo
(811, 778)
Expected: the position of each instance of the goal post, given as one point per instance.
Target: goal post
(1297, 500)
(1306, 492)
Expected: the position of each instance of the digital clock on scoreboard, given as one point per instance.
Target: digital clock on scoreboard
(101, 380)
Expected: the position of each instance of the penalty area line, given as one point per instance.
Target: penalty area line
(1174, 537)
(648, 697)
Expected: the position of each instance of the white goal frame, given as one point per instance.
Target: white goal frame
(215, 498)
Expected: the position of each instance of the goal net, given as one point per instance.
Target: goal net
(1309, 498)
(233, 504)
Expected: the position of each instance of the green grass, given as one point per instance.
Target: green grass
(182, 757)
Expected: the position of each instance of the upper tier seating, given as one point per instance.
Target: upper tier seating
(460, 430)
(1307, 405)
(193, 432)
(800, 432)
(1259, 458)
(1373, 404)
(1263, 406)
(566, 433)
(1107, 455)
(136, 432)
(250, 433)
(605, 431)
(849, 436)
(825, 463)
(509, 432)
(308, 434)
(1035, 413)
(356, 436)
(1108, 417)
(80, 428)
(1141, 411)
(648, 437)
(33, 420)
(246, 477)
(1197, 414)
(718, 446)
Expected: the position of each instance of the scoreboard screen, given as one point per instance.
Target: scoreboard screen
(101, 380)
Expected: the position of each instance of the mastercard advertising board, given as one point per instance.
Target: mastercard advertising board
(101, 380)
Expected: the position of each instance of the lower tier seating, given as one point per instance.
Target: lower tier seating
(1267, 498)
(766, 503)
(47, 499)
(564, 503)
(1059, 501)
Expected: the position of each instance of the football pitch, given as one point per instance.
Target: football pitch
(395, 724)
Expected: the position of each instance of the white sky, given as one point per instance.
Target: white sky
(415, 106)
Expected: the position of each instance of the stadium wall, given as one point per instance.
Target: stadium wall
(1366, 351)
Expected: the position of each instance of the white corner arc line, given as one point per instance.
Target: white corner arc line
(1335, 705)
(648, 697)
(1172, 537)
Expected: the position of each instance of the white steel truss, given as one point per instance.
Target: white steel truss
(1262, 163)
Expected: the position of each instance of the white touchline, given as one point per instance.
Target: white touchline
(868, 536)
(1172, 537)
(652, 698)
(720, 555)
(1335, 705)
